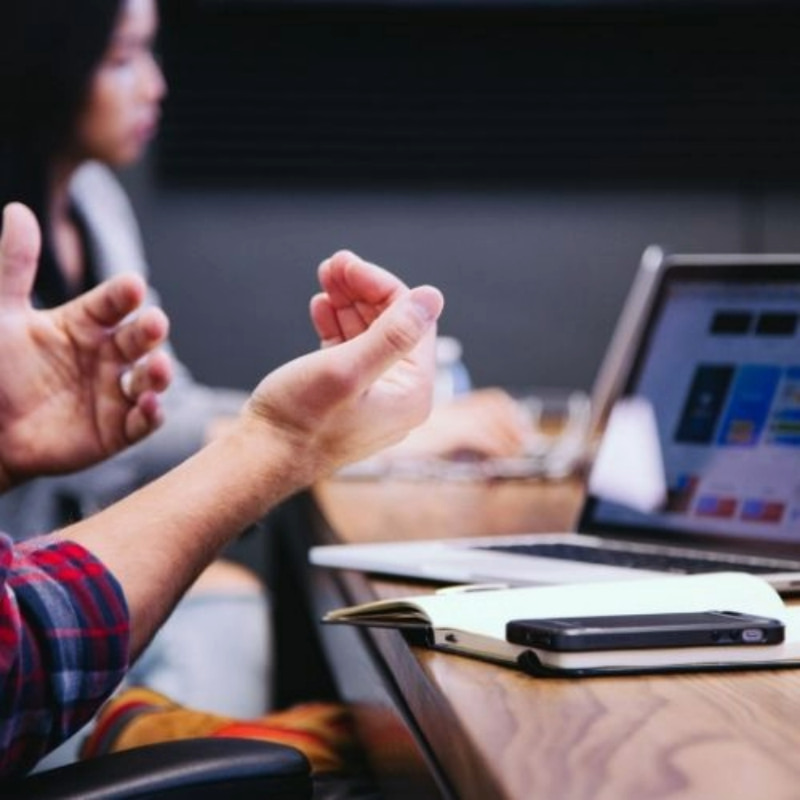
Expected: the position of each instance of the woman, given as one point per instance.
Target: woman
(82, 91)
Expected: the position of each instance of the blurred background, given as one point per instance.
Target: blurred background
(519, 154)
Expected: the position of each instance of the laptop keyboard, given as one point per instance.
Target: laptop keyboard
(661, 562)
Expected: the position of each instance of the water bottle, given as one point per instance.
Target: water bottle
(452, 377)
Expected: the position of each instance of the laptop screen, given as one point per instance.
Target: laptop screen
(719, 361)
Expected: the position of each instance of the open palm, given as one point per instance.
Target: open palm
(61, 404)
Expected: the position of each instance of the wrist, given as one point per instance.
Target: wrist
(281, 461)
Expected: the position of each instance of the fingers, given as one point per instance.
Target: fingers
(110, 302)
(346, 277)
(152, 374)
(20, 245)
(396, 333)
(356, 292)
(142, 385)
(325, 321)
(145, 416)
(142, 334)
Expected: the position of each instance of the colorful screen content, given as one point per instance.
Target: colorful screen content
(722, 372)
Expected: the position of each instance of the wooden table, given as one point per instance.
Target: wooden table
(439, 725)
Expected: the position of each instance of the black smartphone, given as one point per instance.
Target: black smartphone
(629, 631)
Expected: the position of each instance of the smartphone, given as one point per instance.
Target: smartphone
(631, 631)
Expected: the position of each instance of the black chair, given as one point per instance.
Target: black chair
(190, 769)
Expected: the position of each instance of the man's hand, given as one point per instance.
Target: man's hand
(372, 381)
(77, 383)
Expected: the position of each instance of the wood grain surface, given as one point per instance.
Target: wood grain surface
(496, 732)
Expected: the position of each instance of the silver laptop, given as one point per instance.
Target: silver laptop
(717, 359)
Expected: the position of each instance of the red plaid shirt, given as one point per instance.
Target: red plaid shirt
(64, 635)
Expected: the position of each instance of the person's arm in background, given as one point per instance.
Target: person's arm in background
(481, 423)
(303, 421)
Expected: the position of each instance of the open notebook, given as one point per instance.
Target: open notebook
(473, 623)
(717, 361)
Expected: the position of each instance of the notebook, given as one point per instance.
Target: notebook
(716, 360)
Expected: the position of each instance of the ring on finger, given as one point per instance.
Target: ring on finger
(126, 383)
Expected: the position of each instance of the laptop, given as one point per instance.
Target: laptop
(716, 357)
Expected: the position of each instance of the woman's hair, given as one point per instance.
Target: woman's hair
(49, 50)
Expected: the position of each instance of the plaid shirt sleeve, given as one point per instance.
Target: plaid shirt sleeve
(64, 636)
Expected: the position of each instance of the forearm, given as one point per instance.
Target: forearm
(158, 540)
(303, 420)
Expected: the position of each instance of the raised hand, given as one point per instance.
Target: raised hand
(364, 391)
(372, 381)
(79, 382)
(354, 293)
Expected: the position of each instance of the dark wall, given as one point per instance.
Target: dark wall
(534, 259)
(482, 92)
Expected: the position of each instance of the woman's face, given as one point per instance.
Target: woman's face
(124, 102)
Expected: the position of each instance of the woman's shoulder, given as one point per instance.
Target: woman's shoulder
(94, 184)
(106, 210)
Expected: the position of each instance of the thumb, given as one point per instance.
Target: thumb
(396, 333)
(20, 245)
